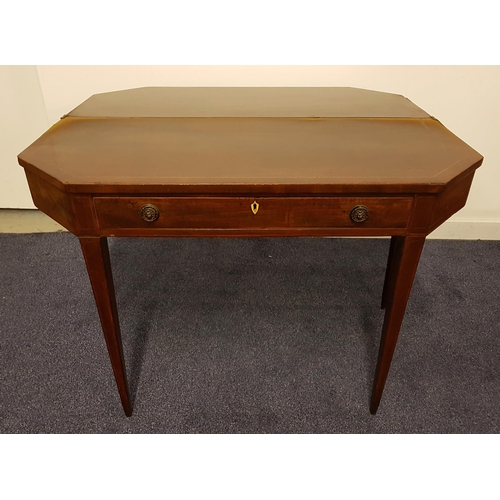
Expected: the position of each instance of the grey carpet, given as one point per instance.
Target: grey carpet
(247, 336)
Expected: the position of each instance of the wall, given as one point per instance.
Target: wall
(464, 98)
(22, 120)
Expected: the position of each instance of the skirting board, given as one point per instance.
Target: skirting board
(34, 221)
(467, 230)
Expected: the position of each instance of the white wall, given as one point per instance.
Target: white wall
(22, 120)
(464, 98)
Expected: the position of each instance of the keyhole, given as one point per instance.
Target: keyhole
(255, 207)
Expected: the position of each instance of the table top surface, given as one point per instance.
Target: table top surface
(213, 140)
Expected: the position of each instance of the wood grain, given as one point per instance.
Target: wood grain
(203, 156)
(236, 213)
(248, 102)
(270, 155)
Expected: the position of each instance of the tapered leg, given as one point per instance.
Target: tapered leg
(392, 264)
(96, 254)
(404, 262)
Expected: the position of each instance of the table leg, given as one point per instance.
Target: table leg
(390, 272)
(96, 254)
(403, 264)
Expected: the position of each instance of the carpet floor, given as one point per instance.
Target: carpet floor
(247, 336)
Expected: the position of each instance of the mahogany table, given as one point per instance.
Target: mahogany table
(250, 162)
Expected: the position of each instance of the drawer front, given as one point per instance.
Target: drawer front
(252, 213)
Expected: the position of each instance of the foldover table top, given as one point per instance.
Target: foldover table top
(262, 140)
(250, 162)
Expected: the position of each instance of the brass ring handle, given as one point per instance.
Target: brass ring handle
(149, 212)
(359, 213)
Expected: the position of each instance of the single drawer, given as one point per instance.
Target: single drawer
(261, 213)
(253, 213)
